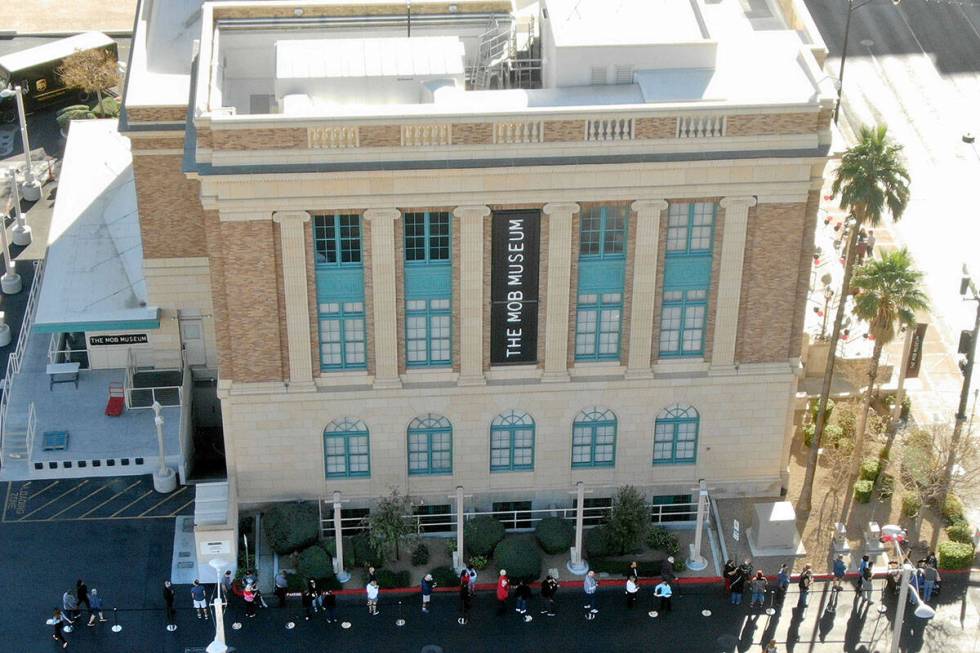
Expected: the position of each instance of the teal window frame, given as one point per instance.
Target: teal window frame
(349, 337)
(430, 446)
(603, 240)
(347, 441)
(683, 318)
(428, 288)
(594, 438)
(512, 442)
(603, 232)
(337, 236)
(675, 435)
(428, 332)
(433, 244)
(687, 230)
(339, 265)
(597, 334)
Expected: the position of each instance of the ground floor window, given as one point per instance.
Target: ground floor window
(515, 514)
(430, 445)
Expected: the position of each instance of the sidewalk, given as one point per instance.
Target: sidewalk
(39, 17)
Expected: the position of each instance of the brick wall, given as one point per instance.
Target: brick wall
(219, 299)
(156, 114)
(803, 272)
(573, 290)
(659, 292)
(311, 298)
(367, 253)
(771, 124)
(252, 300)
(564, 130)
(646, 128)
(712, 311)
(472, 133)
(170, 213)
(204, 140)
(399, 236)
(770, 279)
(380, 136)
(625, 325)
(173, 141)
(259, 139)
(281, 299)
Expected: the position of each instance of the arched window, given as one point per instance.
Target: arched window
(675, 435)
(512, 442)
(594, 438)
(430, 445)
(346, 449)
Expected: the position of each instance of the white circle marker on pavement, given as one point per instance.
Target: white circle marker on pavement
(653, 614)
(706, 613)
(345, 625)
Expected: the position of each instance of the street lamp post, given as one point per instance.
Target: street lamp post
(20, 231)
(828, 294)
(164, 479)
(31, 188)
(851, 8)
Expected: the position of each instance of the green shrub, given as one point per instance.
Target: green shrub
(617, 568)
(870, 468)
(886, 486)
(555, 535)
(680, 564)
(833, 435)
(863, 490)
(960, 531)
(290, 527)
(330, 546)
(661, 539)
(519, 556)
(815, 405)
(911, 505)
(314, 562)
(597, 542)
(918, 458)
(445, 576)
(295, 582)
(451, 547)
(365, 555)
(388, 579)
(479, 562)
(952, 509)
(420, 555)
(481, 534)
(955, 555)
(808, 431)
(628, 520)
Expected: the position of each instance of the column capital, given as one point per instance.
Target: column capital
(738, 201)
(647, 206)
(471, 212)
(281, 217)
(561, 208)
(382, 214)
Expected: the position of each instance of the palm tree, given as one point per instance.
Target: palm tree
(871, 178)
(889, 292)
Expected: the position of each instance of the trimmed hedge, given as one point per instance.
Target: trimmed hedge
(445, 576)
(364, 553)
(481, 534)
(389, 579)
(555, 535)
(314, 562)
(960, 531)
(955, 555)
(661, 539)
(617, 568)
(863, 490)
(597, 542)
(290, 527)
(420, 555)
(520, 557)
(870, 468)
(911, 505)
(952, 509)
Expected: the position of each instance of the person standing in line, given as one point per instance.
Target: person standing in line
(930, 576)
(782, 583)
(632, 589)
(864, 564)
(729, 574)
(667, 569)
(69, 605)
(200, 599)
(866, 587)
(523, 594)
(58, 620)
(471, 572)
(81, 594)
(328, 601)
(373, 591)
(663, 591)
(95, 607)
(771, 647)
(307, 598)
(227, 586)
(169, 597)
(738, 586)
(311, 587)
(503, 591)
(250, 597)
(839, 569)
(427, 584)
(549, 587)
(372, 574)
(758, 586)
(590, 585)
(806, 580)
(466, 602)
(282, 584)
(633, 571)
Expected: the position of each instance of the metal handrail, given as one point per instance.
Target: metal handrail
(16, 358)
(31, 430)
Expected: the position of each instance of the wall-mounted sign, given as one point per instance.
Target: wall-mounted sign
(915, 351)
(215, 547)
(121, 339)
(515, 245)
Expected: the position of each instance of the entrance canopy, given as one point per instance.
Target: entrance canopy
(93, 275)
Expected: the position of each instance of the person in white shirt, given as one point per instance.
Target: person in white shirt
(632, 589)
(373, 590)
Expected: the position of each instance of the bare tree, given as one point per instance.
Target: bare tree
(92, 71)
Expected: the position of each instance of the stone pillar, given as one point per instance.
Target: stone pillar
(292, 241)
(645, 266)
(383, 287)
(559, 278)
(730, 280)
(471, 293)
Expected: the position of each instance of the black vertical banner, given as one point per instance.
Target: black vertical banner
(515, 253)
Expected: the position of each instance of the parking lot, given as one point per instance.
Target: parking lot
(92, 499)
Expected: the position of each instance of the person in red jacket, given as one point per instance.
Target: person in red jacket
(503, 590)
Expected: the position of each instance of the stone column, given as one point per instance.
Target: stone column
(471, 293)
(645, 265)
(559, 278)
(730, 280)
(292, 241)
(383, 287)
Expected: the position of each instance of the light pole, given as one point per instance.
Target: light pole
(828, 294)
(851, 8)
(218, 645)
(31, 188)
(338, 529)
(10, 282)
(164, 479)
(577, 565)
(697, 562)
(21, 232)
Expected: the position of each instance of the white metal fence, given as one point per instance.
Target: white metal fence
(16, 358)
